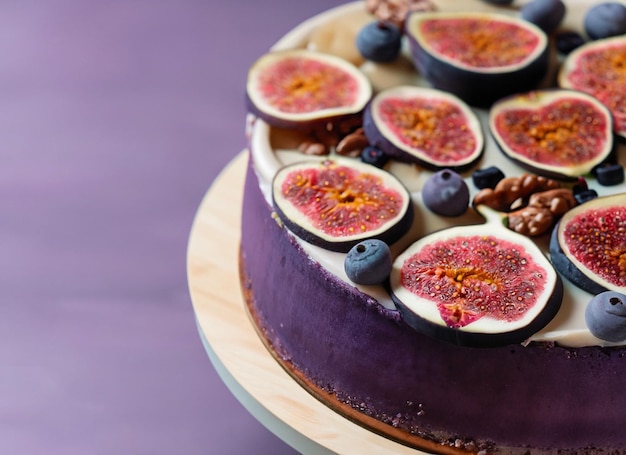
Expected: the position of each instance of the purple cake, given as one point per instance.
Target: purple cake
(356, 348)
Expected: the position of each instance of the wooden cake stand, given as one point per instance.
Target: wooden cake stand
(235, 349)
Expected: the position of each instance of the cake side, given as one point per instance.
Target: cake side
(342, 342)
(557, 392)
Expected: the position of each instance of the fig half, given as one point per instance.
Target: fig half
(336, 203)
(588, 246)
(478, 286)
(300, 88)
(426, 126)
(555, 133)
(480, 57)
(599, 68)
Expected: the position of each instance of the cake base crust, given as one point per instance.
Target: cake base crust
(329, 399)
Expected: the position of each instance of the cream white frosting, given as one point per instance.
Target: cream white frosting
(272, 148)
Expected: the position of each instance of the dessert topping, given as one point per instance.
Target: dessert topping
(396, 11)
(511, 189)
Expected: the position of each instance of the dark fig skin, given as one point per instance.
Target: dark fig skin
(308, 126)
(559, 255)
(484, 340)
(390, 235)
(414, 308)
(572, 63)
(347, 109)
(566, 268)
(552, 174)
(476, 88)
(376, 140)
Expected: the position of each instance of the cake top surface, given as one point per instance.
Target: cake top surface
(277, 145)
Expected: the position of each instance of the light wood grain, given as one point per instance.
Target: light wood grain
(233, 345)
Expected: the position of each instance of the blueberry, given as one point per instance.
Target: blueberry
(368, 262)
(580, 185)
(582, 193)
(545, 14)
(605, 316)
(379, 41)
(446, 193)
(605, 19)
(374, 156)
(487, 177)
(567, 41)
(610, 174)
(585, 195)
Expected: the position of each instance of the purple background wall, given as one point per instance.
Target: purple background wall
(115, 117)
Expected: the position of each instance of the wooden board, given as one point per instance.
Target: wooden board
(234, 347)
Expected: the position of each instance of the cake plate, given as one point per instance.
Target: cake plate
(247, 368)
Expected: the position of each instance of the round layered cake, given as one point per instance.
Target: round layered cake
(430, 243)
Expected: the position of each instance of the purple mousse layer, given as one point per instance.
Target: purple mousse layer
(539, 396)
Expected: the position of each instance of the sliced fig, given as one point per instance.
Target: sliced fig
(599, 68)
(426, 126)
(336, 203)
(300, 88)
(479, 57)
(476, 285)
(555, 133)
(588, 246)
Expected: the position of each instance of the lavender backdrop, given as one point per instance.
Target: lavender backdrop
(115, 117)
